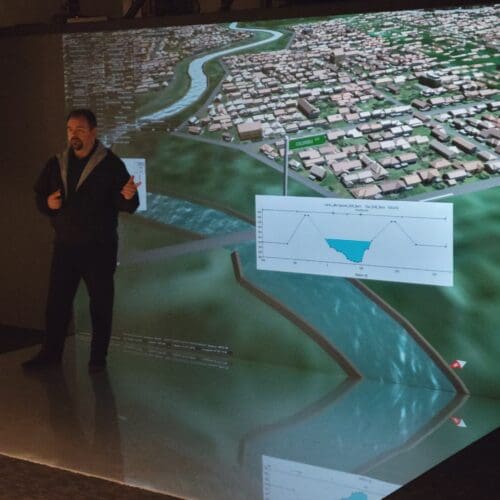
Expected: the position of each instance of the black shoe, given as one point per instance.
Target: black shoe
(97, 366)
(41, 361)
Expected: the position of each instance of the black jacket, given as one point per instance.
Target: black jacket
(91, 213)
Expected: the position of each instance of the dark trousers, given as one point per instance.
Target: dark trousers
(95, 263)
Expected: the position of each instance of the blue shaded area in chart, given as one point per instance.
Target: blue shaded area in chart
(354, 250)
(357, 496)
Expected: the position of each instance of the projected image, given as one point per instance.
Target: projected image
(283, 477)
(407, 105)
(389, 241)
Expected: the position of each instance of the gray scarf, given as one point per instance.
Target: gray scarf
(97, 156)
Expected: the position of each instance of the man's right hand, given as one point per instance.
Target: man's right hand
(54, 200)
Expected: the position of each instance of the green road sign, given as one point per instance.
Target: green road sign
(304, 142)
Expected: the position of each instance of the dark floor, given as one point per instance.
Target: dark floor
(21, 480)
(472, 473)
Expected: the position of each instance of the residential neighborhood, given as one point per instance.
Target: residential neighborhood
(408, 102)
(401, 113)
(114, 72)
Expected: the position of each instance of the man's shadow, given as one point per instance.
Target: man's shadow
(97, 452)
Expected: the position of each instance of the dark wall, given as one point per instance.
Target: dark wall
(32, 129)
(28, 11)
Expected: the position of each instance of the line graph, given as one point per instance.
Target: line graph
(289, 479)
(392, 241)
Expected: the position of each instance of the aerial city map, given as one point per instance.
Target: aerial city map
(408, 101)
(406, 106)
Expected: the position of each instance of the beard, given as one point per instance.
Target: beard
(76, 144)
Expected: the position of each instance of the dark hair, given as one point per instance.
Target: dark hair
(83, 113)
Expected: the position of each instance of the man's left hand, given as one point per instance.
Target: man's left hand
(130, 188)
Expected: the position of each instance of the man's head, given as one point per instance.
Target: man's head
(81, 127)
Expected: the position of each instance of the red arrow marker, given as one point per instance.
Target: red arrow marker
(459, 422)
(458, 364)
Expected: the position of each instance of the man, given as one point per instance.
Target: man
(82, 190)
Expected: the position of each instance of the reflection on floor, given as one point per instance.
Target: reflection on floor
(223, 429)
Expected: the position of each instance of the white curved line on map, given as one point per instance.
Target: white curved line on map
(199, 81)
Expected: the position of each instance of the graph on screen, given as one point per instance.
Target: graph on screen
(284, 480)
(137, 168)
(409, 242)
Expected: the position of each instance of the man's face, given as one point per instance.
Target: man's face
(80, 136)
